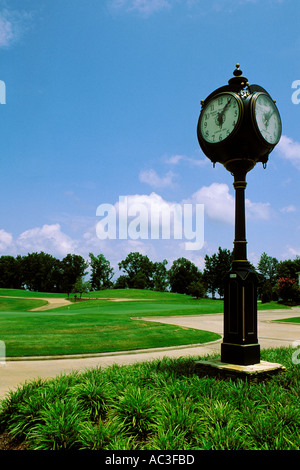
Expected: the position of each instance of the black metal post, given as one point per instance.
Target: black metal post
(240, 343)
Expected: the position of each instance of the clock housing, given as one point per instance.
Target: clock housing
(251, 136)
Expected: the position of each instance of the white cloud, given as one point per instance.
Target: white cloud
(258, 210)
(176, 159)
(287, 209)
(290, 150)
(143, 7)
(13, 24)
(219, 204)
(153, 179)
(6, 31)
(291, 252)
(6, 240)
(153, 226)
(48, 238)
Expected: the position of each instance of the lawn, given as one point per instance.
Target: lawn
(99, 326)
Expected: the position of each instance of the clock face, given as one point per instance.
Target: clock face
(220, 117)
(266, 118)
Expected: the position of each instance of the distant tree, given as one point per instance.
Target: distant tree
(288, 289)
(216, 266)
(136, 263)
(121, 282)
(182, 274)
(10, 272)
(289, 268)
(102, 272)
(268, 268)
(40, 272)
(197, 289)
(139, 281)
(160, 276)
(266, 291)
(72, 268)
(81, 286)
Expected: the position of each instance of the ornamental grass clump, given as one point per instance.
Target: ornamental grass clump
(92, 398)
(134, 410)
(60, 426)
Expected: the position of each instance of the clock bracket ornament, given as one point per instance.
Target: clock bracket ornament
(239, 125)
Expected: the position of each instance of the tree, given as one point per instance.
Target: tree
(102, 272)
(72, 268)
(121, 282)
(268, 268)
(197, 289)
(289, 268)
(40, 272)
(216, 266)
(266, 292)
(136, 263)
(139, 281)
(288, 289)
(81, 286)
(210, 274)
(181, 275)
(160, 276)
(10, 272)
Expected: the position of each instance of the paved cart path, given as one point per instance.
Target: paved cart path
(270, 334)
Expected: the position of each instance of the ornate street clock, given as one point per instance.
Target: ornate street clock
(239, 125)
(239, 121)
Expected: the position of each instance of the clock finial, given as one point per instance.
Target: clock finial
(237, 72)
(238, 82)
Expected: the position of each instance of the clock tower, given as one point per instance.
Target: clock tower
(239, 125)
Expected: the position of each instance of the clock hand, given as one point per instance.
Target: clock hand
(267, 117)
(226, 106)
(221, 114)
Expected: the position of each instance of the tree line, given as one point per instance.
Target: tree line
(43, 272)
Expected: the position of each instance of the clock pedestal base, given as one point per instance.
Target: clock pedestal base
(240, 344)
(239, 354)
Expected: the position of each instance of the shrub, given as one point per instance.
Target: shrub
(288, 290)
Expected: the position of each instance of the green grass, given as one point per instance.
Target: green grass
(96, 326)
(158, 405)
(27, 293)
(19, 305)
(291, 320)
(99, 326)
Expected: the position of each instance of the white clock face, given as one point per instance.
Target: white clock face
(220, 117)
(267, 118)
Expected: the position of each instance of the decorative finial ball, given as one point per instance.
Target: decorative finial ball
(237, 72)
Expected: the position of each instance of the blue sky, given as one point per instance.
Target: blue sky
(102, 101)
